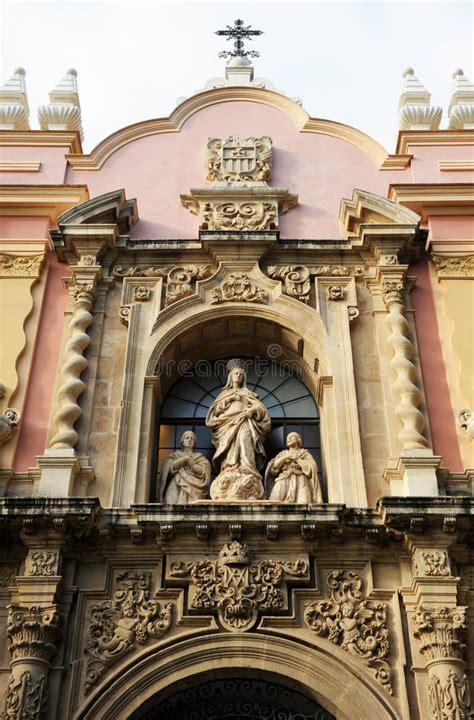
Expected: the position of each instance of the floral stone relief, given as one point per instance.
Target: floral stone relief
(236, 587)
(117, 626)
(356, 623)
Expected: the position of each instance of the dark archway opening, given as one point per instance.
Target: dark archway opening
(236, 698)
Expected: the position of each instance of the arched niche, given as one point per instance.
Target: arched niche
(194, 328)
(327, 675)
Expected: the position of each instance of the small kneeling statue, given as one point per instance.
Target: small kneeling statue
(185, 474)
(295, 474)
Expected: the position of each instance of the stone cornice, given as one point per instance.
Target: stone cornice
(43, 200)
(410, 138)
(421, 197)
(44, 138)
(32, 166)
(193, 104)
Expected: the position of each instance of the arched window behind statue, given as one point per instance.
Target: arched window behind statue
(289, 403)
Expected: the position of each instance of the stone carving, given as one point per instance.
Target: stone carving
(26, 266)
(8, 575)
(42, 563)
(336, 292)
(185, 474)
(234, 215)
(119, 625)
(356, 623)
(454, 266)
(294, 473)
(32, 631)
(388, 260)
(465, 420)
(435, 562)
(26, 697)
(142, 293)
(296, 280)
(239, 160)
(440, 630)
(239, 422)
(87, 260)
(409, 396)
(451, 700)
(9, 420)
(180, 280)
(72, 386)
(239, 288)
(236, 586)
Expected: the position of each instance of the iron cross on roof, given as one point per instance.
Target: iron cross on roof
(239, 33)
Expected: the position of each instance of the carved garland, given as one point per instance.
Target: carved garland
(356, 623)
(119, 625)
(454, 267)
(20, 265)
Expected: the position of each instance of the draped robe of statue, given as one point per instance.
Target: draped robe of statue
(185, 474)
(239, 422)
(294, 472)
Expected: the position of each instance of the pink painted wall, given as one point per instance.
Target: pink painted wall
(51, 172)
(13, 227)
(37, 407)
(440, 412)
(156, 169)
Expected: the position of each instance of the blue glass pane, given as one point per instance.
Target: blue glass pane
(177, 408)
(303, 408)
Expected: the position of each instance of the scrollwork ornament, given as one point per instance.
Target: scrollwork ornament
(336, 292)
(441, 631)
(17, 265)
(84, 293)
(239, 288)
(236, 587)
(181, 281)
(435, 562)
(392, 292)
(450, 700)
(26, 697)
(454, 267)
(234, 215)
(42, 562)
(33, 631)
(296, 280)
(117, 626)
(356, 623)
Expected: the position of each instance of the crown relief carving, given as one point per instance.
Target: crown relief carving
(239, 197)
(236, 586)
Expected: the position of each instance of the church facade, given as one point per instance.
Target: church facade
(237, 422)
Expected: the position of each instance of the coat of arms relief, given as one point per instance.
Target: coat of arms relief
(239, 198)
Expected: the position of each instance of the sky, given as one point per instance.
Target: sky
(134, 59)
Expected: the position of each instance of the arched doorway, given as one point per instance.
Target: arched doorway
(236, 698)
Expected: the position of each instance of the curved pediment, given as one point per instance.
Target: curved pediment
(302, 121)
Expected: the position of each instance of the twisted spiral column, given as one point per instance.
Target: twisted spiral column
(405, 388)
(72, 386)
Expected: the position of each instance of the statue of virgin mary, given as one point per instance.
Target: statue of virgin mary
(239, 422)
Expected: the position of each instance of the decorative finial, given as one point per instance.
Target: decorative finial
(414, 109)
(64, 109)
(238, 34)
(461, 105)
(14, 110)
